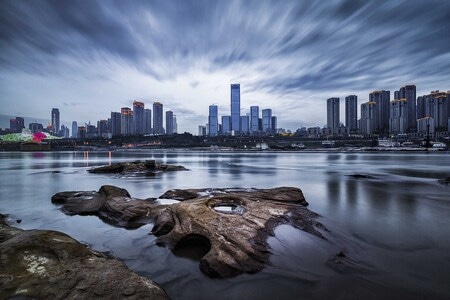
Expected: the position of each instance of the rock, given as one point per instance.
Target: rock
(137, 167)
(44, 264)
(2, 219)
(112, 204)
(229, 227)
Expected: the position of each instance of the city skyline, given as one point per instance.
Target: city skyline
(289, 57)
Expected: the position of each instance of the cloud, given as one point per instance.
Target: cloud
(294, 49)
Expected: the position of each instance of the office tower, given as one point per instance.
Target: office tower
(169, 122)
(13, 125)
(226, 125)
(147, 121)
(213, 121)
(398, 121)
(175, 124)
(138, 117)
(74, 129)
(274, 124)
(235, 107)
(408, 92)
(267, 120)
(35, 127)
(102, 128)
(55, 121)
(382, 101)
(81, 132)
(351, 113)
(158, 118)
(254, 119)
(368, 118)
(245, 124)
(333, 114)
(126, 121)
(116, 123)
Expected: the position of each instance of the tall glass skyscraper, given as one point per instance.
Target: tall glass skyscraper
(245, 124)
(55, 121)
(138, 117)
(333, 114)
(158, 118)
(213, 122)
(169, 122)
(74, 129)
(226, 125)
(254, 119)
(235, 107)
(267, 120)
(351, 113)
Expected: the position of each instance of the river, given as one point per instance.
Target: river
(394, 223)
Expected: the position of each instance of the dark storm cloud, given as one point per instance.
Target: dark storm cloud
(285, 46)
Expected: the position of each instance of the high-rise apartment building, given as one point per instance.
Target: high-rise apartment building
(382, 101)
(235, 107)
(398, 121)
(351, 113)
(169, 122)
(158, 118)
(147, 121)
(267, 120)
(126, 121)
(138, 117)
(213, 120)
(74, 129)
(55, 121)
(175, 124)
(368, 118)
(115, 126)
(408, 92)
(35, 127)
(254, 119)
(333, 114)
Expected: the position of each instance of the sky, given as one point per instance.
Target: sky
(89, 58)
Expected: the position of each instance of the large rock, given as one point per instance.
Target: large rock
(43, 264)
(144, 167)
(112, 204)
(229, 227)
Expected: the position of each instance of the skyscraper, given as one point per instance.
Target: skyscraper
(398, 116)
(213, 122)
(116, 121)
(333, 114)
(254, 119)
(147, 121)
(382, 100)
(274, 124)
(226, 125)
(158, 118)
(175, 124)
(367, 121)
(267, 120)
(138, 117)
(55, 121)
(169, 122)
(74, 129)
(245, 124)
(235, 107)
(351, 113)
(408, 92)
(126, 121)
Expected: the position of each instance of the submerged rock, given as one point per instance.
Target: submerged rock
(446, 180)
(138, 166)
(227, 227)
(44, 264)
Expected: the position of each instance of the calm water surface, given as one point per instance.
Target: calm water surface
(394, 226)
